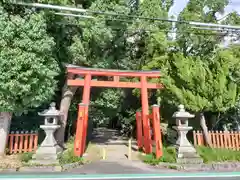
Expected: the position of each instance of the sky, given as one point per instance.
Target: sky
(180, 4)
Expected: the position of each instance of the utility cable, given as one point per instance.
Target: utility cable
(79, 10)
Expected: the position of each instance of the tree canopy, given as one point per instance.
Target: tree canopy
(197, 71)
(28, 66)
(203, 85)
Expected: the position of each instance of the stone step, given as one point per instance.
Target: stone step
(189, 160)
(189, 155)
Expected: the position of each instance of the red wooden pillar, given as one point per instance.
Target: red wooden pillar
(139, 129)
(157, 130)
(145, 119)
(79, 131)
(86, 100)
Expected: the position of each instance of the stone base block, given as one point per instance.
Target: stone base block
(186, 149)
(45, 162)
(46, 156)
(46, 153)
(47, 150)
(188, 155)
(41, 169)
(189, 160)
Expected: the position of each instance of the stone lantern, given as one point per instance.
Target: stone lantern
(186, 153)
(48, 150)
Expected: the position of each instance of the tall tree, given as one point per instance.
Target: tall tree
(104, 43)
(203, 86)
(190, 46)
(92, 43)
(27, 65)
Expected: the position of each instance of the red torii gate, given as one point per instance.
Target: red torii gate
(88, 82)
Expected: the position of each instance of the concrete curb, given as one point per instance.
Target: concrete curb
(3, 170)
(59, 168)
(67, 167)
(179, 167)
(201, 167)
(40, 169)
(36, 168)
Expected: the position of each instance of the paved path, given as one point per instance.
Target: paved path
(116, 146)
(116, 161)
(121, 167)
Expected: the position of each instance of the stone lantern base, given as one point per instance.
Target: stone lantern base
(184, 157)
(48, 151)
(186, 153)
(46, 156)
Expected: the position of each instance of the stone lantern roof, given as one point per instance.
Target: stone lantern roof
(51, 112)
(181, 113)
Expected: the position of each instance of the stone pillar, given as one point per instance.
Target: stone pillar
(5, 122)
(186, 153)
(49, 149)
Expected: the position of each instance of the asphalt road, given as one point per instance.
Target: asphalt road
(118, 171)
(234, 178)
(132, 178)
(172, 176)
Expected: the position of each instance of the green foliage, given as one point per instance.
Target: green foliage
(218, 155)
(25, 157)
(201, 85)
(27, 65)
(106, 106)
(169, 155)
(209, 75)
(195, 70)
(209, 155)
(196, 41)
(68, 156)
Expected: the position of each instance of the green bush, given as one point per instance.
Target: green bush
(68, 156)
(25, 157)
(169, 155)
(208, 154)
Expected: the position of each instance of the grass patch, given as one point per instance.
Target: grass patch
(169, 155)
(25, 157)
(209, 155)
(217, 154)
(68, 157)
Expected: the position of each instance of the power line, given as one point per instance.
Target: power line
(214, 31)
(74, 15)
(128, 21)
(221, 31)
(48, 6)
(55, 7)
(133, 31)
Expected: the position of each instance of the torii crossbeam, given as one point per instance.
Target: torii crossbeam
(115, 81)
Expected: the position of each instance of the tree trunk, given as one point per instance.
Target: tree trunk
(205, 130)
(67, 95)
(5, 122)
